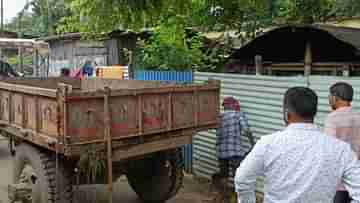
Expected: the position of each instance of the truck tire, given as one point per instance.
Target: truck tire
(43, 166)
(159, 178)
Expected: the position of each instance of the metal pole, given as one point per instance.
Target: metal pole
(2, 15)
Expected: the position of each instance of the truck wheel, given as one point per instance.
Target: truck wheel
(41, 167)
(159, 178)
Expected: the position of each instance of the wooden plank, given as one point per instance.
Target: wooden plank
(259, 65)
(151, 147)
(308, 59)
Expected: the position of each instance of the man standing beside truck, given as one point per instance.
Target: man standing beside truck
(233, 125)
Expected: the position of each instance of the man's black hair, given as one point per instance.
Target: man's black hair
(302, 101)
(342, 90)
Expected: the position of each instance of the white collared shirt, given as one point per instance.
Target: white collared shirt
(299, 165)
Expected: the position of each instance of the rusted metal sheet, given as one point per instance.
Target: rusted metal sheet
(18, 109)
(85, 120)
(150, 147)
(154, 113)
(5, 106)
(123, 116)
(30, 112)
(183, 108)
(48, 117)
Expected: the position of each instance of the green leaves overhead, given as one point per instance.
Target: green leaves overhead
(107, 15)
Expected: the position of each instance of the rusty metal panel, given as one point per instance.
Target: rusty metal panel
(155, 112)
(183, 110)
(48, 117)
(37, 112)
(30, 112)
(17, 110)
(124, 117)
(86, 120)
(208, 105)
(5, 106)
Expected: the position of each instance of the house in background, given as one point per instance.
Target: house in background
(72, 51)
(14, 35)
(300, 49)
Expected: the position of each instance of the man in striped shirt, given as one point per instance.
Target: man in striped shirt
(344, 124)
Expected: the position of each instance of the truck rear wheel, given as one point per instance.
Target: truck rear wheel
(41, 166)
(159, 178)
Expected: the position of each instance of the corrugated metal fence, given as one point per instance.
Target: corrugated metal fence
(171, 76)
(164, 75)
(261, 99)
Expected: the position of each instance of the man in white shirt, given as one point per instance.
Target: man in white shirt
(300, 164)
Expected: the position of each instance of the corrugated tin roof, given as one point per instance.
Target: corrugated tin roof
(345, 34)
(287, 44)
(78, 35)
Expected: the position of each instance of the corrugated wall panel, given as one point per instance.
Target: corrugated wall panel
(261, 99)
(164, 75)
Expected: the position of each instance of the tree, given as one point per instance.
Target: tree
(170, 47)
(166, 49)
(48, 13)
(248, 15)
(107, 15)
(41, 20)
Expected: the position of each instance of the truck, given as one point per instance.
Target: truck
(132, 128)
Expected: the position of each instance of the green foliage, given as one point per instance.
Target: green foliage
(214, 58)
(41, 20)
(91, 165)
(245, 15)
(103, 16)
(306, 11)
(169, 48)
(347, 8)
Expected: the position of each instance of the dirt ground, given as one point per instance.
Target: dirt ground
(192, 191)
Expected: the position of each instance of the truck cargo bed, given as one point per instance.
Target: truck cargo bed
(66, 114)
